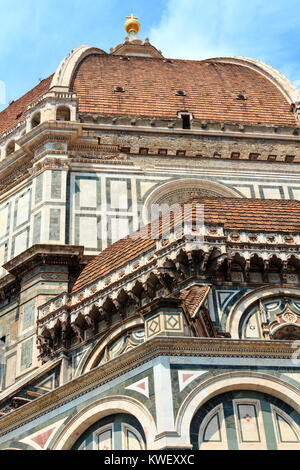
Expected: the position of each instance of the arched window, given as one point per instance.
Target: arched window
(36, 120)
(116, 432)
(63, 113)
(245, 420)
(10, 148)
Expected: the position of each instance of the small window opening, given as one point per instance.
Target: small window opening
(11, 146)
(253, 156)
(144, 151)
(180, 153)
(180, 92)
(241, 97)
(162, 152)
(125, 149)
(272, 158)
(63, 113)
(290, 158)
(217, 155)
(36, 120)
(235, 155)
(119, 89)
(292, 108)
(186, 121)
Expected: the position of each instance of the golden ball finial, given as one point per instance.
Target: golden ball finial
(132, 25)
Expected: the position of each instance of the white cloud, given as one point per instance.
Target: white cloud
(182, 32)
(297, 83)
(199, 29)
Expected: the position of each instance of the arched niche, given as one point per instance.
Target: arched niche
(288, 332)
(119, 431)
(36, 120)
(100, 409)
(121, 334)
(10, 148)
(231, 382)
(245, 420)
(181, 190)
(63, 113)
(276, 318)
(250, 300)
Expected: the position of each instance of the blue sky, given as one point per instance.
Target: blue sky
(35, 35)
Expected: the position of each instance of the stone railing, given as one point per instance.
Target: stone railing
(53, 305)
(52, 95)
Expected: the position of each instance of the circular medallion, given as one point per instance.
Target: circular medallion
(289, 317)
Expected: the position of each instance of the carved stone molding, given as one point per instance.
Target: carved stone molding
(159, 346)
(49, 164)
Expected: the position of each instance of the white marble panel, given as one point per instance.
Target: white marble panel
(271, 193)
(287, 434)
(88, 193)
(10, 370)
(119, 228)
(3, 220)
(23, 208)
(296, 194)
(20, 243)
(2, 254)
(245, 191)
(248, 423)
(145, 186)
(88, 232)
(118, 195)
(212, 432)
(105, 440)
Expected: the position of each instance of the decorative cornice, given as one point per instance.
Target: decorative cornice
(96, 148)
(12, 168)
(230, 131)
(40, 254)
(159, 346)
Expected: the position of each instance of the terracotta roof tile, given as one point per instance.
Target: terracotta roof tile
(150, 85)
(258, 215)
(16, 111)
(193, 298)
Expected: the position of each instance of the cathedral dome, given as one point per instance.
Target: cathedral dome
(213, 90)
(149, 255)
(226, 90)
